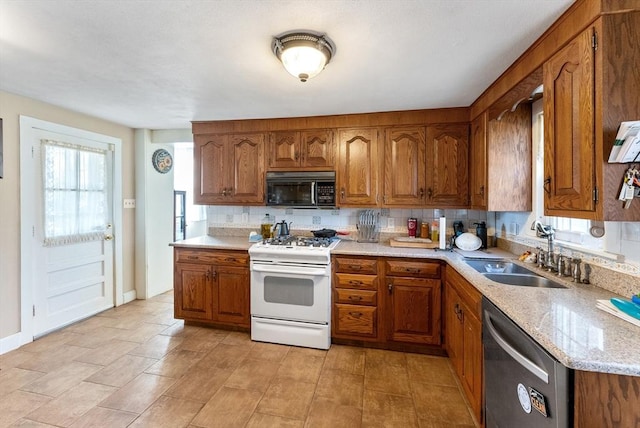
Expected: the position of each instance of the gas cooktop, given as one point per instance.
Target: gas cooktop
(294, 249)
(300, 241)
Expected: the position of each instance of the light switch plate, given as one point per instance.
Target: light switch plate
(129, 203)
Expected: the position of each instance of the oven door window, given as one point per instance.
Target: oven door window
(298, 193)
(288, 291)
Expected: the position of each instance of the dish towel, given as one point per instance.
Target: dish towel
(607, 306)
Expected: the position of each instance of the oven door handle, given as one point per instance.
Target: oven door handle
(313, 193)
(509, 349)
(288, 269)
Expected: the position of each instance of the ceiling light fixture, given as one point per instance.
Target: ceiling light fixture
(304, 54)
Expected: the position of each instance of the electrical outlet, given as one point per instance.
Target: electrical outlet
(316, 219)
(129, 203)
(391, 223)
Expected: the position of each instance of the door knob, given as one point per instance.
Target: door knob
(108, 237)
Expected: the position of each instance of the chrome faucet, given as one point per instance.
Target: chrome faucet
(547, 231)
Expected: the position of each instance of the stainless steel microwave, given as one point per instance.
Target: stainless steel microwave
(301, 189)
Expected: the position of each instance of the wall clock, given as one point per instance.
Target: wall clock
(162, 161)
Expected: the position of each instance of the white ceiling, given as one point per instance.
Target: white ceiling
(161, 64)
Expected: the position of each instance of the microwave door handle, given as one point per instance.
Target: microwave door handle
(313, 193)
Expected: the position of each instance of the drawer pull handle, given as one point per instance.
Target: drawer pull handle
(192, 257)
(355, 282)
(355, 298)
(230, 259)
(356, 267)
(355, 314)
(413, 270)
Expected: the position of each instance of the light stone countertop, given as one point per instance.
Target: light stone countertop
(565, 322)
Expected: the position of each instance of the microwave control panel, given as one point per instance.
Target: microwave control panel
(326, 193)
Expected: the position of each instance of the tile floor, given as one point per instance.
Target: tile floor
(137, 366)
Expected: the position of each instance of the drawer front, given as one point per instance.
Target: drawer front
(363, 266)
(357, 282)
(212, 257)
(356, 297)
(414, 269)
(356, 320)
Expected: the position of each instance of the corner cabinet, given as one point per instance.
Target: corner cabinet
(358, 166)
(590, 86)
(463, 336)
(211, 286)
(229, 169)
(310, 150)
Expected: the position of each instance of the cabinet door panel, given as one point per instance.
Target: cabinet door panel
(193, 291)
(454, 339)
(472, 361)
(211, 168)
(232, 288)
(447, 165)
(404, 166)
(415, 306)
(569, 127)
(317, 148)
(248, 179)
(358, 171)
(284, 150)
(478, 162)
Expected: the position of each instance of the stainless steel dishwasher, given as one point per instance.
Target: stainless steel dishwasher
(524, 385)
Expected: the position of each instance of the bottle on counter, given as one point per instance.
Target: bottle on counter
(435, 236)
(424, 230)
(266, 226)
(481, 232)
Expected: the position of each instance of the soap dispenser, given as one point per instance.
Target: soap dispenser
(481, 232)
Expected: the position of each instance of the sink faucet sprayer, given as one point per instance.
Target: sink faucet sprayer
(547, 231)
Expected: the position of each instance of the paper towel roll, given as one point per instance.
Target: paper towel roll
(443, 233)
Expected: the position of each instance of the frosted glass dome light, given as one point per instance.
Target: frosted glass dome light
(304, 55)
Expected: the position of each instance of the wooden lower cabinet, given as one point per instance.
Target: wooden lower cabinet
(386, 301)
(211, 286)
(463, 336)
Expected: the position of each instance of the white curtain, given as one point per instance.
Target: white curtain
(75, 193)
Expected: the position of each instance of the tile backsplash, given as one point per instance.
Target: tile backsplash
(391, 220)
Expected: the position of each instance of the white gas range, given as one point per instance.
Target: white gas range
(291, 291)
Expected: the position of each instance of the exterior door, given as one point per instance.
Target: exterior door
(72, 251)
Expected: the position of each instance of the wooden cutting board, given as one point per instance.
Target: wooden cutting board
(407, 242)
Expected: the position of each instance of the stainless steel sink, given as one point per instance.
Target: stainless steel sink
(497, 266)
(530, 280)
(506, 272)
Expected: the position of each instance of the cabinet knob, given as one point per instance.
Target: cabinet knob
(421, 193)
(430, 193)
(482, 191)
(390, 286)
(224, 192)
(342, 193)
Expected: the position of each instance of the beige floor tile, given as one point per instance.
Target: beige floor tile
(122, 371)
(238, 338)
(156, 347)
(376, 357)
(66, 377)
(102, 417)
(389, 411)
(301, 365)
(107, 352)
(53, 359)
(138, 394)
(50, 342)
(197, 344)
(199, 384)
(345, 358)
(310, 351)
(387, 378)
(430, 369)
(287, 398)
(180, 330)
(226, 357)
(168, 412)
(142, 333)
(441, 403)
(341, 388)
(69, 406)
(14, 378)
(164, 318)
(229, 408)
(328, 414)
(27, 423)
(261, 420)
(176, 363)
(437, 423)
(269, 351)
(17, 404)
(93, 325)
(15, 358)
(253, 374)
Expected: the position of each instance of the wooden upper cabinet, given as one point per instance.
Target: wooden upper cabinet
(447, 165)
(404, 167)
(358, 166)
(569, 156)
(478, 162)
(311, 150)
(229, 169)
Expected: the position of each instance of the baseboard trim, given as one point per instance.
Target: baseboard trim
(129, 296)
(10, 343)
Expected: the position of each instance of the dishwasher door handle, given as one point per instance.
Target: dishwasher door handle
(521, 359)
